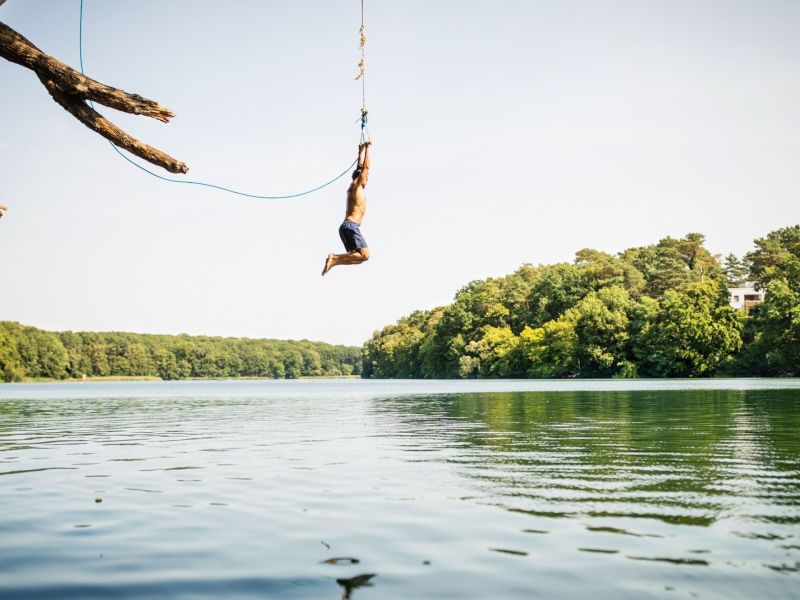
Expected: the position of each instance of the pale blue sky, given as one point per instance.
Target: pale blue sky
(505, 132)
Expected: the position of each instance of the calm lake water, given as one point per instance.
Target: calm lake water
(491, 490)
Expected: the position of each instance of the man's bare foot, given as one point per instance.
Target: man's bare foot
(328, 264)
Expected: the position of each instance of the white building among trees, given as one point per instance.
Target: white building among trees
(746, 296)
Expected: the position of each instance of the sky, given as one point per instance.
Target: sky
(505, 132)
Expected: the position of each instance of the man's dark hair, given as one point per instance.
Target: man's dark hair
(356, 173)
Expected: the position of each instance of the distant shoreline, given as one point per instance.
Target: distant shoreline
(112, 378)
(32, 354)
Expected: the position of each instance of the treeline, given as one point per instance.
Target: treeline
(28, 352)
(655, 311)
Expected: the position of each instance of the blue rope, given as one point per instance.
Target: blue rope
(211, 185)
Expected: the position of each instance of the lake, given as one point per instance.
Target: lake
(400, 489)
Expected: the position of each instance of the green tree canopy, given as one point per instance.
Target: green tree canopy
(27, 352)
(656, 311)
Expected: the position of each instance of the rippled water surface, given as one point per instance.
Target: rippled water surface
(332, 489)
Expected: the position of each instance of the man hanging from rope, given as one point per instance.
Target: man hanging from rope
(354, 242)
(3, 209)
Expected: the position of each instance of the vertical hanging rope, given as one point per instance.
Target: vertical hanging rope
(362, 75)
(363, 64)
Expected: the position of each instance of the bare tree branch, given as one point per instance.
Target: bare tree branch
(71, 90)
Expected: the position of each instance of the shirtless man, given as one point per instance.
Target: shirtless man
(3, 209)
(354, 242)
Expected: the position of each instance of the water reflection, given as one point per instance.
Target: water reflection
(674, 456)
(352, 583)
(624, 465)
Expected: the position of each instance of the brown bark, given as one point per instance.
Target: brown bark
(71, 90)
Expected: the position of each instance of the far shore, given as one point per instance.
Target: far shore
(154, 378)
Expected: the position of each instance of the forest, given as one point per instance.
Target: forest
(31, 353)
(661, 310)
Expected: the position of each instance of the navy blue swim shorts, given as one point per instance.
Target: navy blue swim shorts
(351, 236)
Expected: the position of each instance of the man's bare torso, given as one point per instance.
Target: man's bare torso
(356, 203)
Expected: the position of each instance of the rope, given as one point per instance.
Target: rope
(363, 33)
(220, 187)
(362, 75)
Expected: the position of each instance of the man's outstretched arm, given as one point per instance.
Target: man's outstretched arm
(365, 164)
(360, 161)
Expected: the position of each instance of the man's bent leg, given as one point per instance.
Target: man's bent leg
(356, 257)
